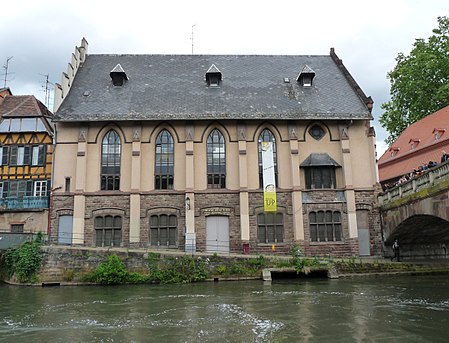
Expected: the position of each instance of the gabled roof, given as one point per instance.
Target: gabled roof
(23, 106)
(172, 87)
(4, 92)
(417, 145)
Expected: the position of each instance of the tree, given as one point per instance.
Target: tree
(419, 82)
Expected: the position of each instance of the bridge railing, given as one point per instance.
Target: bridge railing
(429, 178)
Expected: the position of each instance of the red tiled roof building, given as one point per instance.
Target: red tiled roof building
(420, 143)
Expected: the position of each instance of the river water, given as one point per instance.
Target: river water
(393, 309)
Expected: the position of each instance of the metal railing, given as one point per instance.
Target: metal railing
(26, 202)
(427, 179)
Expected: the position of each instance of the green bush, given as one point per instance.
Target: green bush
(24, 261)
(111, 272)
(181, 269)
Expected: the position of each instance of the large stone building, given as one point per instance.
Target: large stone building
(26, 148)
(166, 151)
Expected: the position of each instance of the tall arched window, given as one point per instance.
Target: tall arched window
(163, 168)
(110, 162)
(267, 136)
(216, 160)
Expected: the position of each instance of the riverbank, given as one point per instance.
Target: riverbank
(62, 265)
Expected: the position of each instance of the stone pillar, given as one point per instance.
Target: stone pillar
(134, 200)
(79, 201)
(298, 221)
(243, 179)
(349, 185)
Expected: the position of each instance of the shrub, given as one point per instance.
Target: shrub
(111, 272)
(24, 261)
(181, 269)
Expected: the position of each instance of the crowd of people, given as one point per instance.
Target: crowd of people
(417, 171)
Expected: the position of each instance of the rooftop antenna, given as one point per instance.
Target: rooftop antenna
(47, 85)
(5, 67)
(192, 36)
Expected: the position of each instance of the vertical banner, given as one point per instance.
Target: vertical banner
(269, 183)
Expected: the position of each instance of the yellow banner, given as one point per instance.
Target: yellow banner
(269, 202)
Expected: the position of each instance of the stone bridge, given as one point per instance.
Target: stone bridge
(417, 214)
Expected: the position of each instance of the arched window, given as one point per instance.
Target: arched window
(267, 136)
(216, 160)
(325, 226)
(163, 168)
(108, 231)
(110, 162)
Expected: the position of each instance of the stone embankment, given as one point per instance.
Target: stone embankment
(63, 265)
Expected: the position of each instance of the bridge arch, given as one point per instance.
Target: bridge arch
(417, 214)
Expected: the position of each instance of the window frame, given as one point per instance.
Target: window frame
(164, 161)
(17, 227)
(115, 230)
(267, 134)
(157, 226)
(320, 226)
(314, 173)
(40, 188)
(216, 172)
(270, 231)
(110, 161)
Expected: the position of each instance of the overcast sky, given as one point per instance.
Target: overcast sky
(367, 35)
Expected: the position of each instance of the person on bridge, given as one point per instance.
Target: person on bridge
(444, 156)
(395, 250)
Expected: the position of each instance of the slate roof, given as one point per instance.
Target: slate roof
(166, 87)
(404, 158)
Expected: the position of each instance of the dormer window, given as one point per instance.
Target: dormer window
(118, 75)
(438, 133)
(393, 151)
(414, 143)
(306, 76)
(213, 76)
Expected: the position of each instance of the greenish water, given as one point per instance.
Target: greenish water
(394, 309)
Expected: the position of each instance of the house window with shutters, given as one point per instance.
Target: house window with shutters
(38, 155)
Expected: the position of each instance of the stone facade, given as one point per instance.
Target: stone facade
(213, 143)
